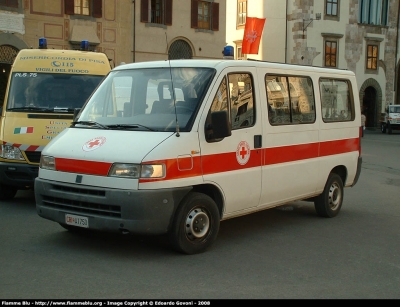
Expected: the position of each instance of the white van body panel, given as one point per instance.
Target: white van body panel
(122, 144)
(248, 196)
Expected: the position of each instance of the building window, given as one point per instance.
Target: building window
(9, 3)
(239, 54)
(205, 15)
(374, 12)
(156, 12)
(92, 8)
(332, 7)
(81, 7)
(203, 18)
(372, 57)
(241, 13)
(330, 53)
(180, 49)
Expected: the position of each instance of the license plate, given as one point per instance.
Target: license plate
(77, 220)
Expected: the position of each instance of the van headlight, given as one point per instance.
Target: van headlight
(136, 171)
(47, 162)
(11, 153)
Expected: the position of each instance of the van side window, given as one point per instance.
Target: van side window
(241, 99)
(337, 100)
(290, 100)
(220, 101)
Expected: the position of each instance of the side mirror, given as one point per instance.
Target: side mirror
(220, 125)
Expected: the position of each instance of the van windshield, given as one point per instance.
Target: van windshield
(49, 92)
(394, 109)
(155, 99)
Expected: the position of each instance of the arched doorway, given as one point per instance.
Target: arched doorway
(371, 102)
(180, 49)
(9, 47)
(7, 56)
(368, 106)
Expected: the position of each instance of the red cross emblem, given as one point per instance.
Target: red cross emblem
(94, 143)
(243, 153)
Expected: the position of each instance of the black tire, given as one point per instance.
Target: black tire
(328, 204)
(383, 128)
(389, 129)
(186, 236)
(7, 192)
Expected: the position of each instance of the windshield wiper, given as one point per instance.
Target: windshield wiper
(41, 109)
(133, 126)
(63, 109)
(89, 123)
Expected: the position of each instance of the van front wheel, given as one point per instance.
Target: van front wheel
(196, 224)
(328, 204)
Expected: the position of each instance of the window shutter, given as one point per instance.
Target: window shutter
(194, 17)
(144, 8)
(69, 7)
(215, 16)
(97, 8)
(168, 12)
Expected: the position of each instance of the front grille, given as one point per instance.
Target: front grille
(80, 191)
(33, 156)
(82, 207)
(22, 175)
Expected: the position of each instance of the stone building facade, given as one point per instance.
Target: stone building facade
(125, 30)
(364, 33)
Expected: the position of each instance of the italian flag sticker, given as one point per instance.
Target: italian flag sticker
(23, 130)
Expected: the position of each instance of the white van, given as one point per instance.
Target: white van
(231, 138)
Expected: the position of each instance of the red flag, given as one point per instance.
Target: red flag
(252, 35)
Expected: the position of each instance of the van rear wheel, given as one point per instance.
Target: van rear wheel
(196, 224)
(328, 204)
(7, 192)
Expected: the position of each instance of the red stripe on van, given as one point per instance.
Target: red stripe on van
(338, 147)
(82, 166)
(227, 162)
(290, 153)
(175, 168)
(180, 168)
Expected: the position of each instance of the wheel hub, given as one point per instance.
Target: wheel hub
(197, 224)
(334, 196)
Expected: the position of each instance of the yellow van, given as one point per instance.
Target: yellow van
(45, 86)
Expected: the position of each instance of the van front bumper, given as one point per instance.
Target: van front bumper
(111, 210)
(20, 175)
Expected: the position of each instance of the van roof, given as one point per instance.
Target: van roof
(220, 64)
